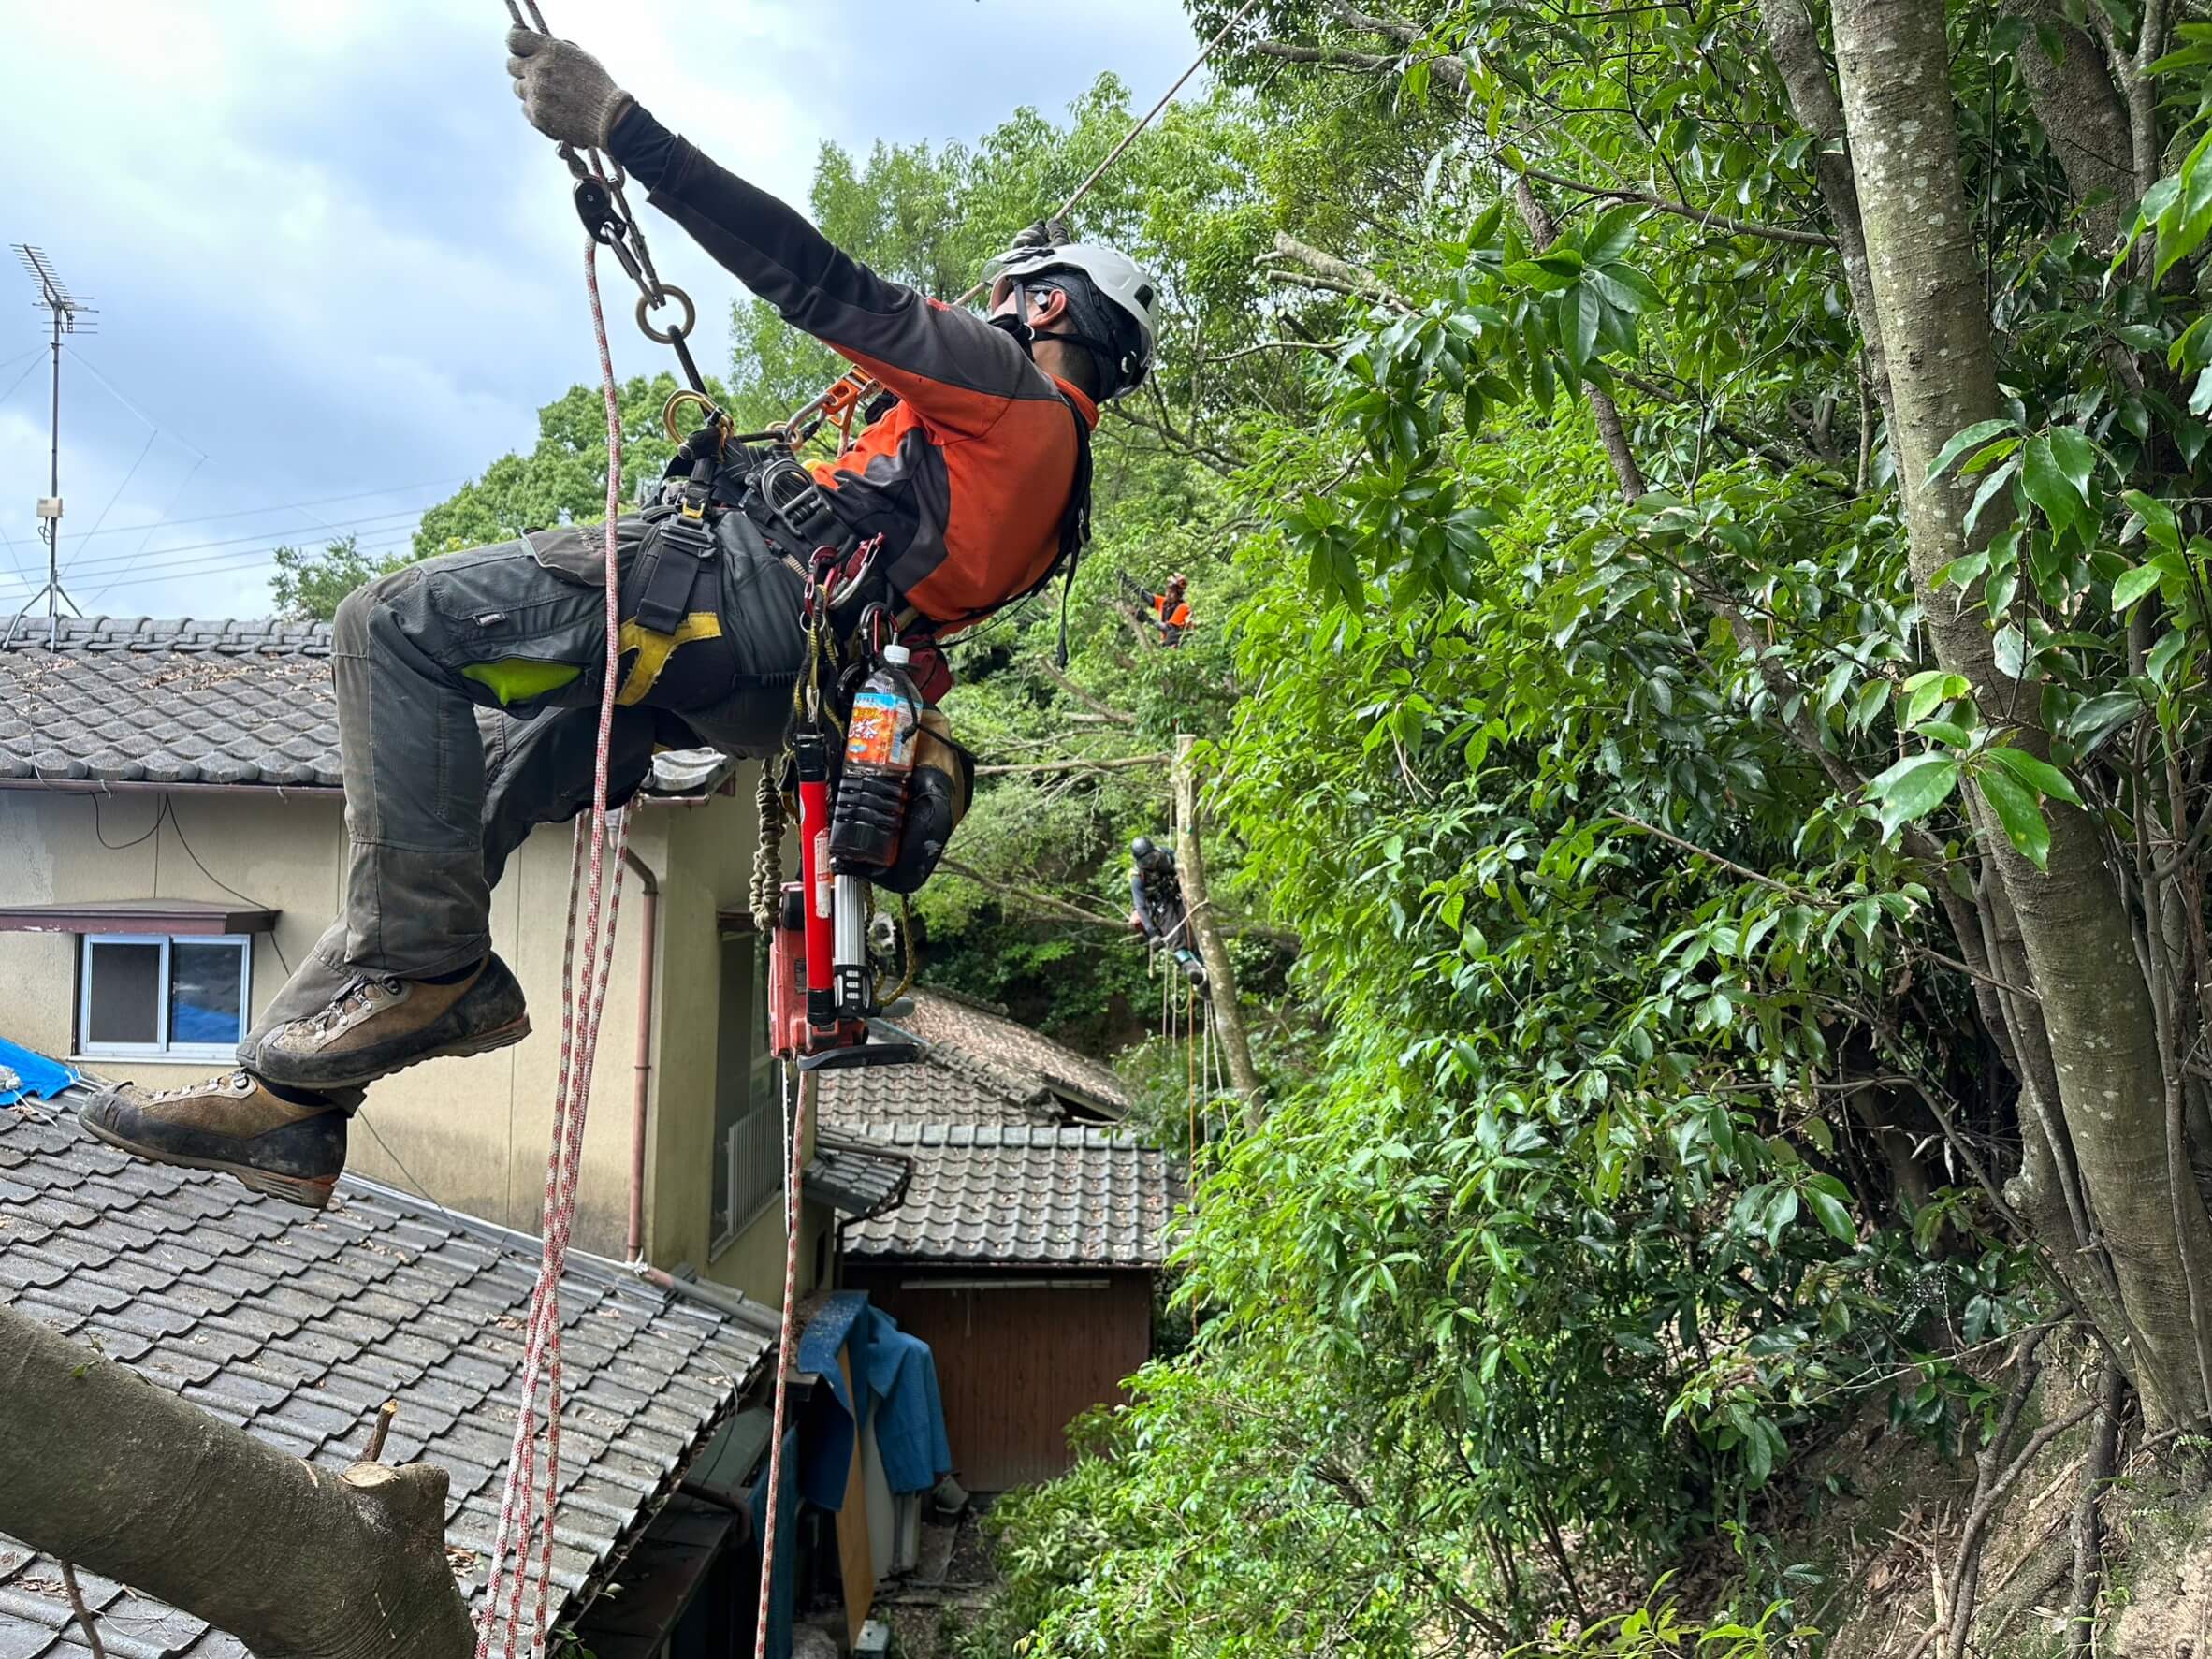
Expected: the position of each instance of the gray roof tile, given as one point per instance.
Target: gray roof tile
(854, 1178)
(298, 1328)
(132, 699)
(1017, 1195)
(136, 700)
(981, 1068)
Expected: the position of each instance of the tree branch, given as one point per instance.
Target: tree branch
(83, 1614)
(103, 1469)
(1075, 763)
(1340, 275)
(1105, 711)
(1204, 454)
(1773, 233)
(1045, 901)
(1795, 44)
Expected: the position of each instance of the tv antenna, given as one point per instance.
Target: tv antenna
(66, 312)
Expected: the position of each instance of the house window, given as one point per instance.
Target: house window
(148, 994)
(748, 1093)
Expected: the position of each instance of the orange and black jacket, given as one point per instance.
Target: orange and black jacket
(969, 476)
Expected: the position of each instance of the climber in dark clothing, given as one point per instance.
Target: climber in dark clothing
(1156, 909)
(468, 686)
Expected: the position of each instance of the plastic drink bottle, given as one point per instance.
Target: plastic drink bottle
(879, 749)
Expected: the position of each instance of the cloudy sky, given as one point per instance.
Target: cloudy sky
(337, 273)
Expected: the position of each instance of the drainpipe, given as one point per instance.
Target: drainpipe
(648, 961)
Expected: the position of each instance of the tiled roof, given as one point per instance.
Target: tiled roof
(981, 1068)
(128, 700)
(299, 1327)
(943, 1087)
(854, 1178)
(1032, 1063)
(1005, 1195)
(132, 700)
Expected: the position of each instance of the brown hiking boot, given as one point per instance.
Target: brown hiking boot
(382, 1023)
(230, 1124)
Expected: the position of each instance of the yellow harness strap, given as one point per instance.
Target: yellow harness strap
(654, 650)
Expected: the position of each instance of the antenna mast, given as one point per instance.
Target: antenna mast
(65, 312)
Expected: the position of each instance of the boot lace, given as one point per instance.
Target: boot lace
(359, 994)
(215, 1086)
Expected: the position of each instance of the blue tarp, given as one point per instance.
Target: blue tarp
(783, 1588)
(25, 1074)
(831, 1423)
(911, 1418)
(896, 1375)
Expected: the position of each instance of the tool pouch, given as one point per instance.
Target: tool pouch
(936, 801)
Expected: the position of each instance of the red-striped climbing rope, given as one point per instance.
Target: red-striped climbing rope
(527, 1505)
(795, 1132)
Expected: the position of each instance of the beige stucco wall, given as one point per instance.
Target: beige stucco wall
(471, 1133)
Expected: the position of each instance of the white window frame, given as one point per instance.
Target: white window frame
(761, 1067)
(160, 1049)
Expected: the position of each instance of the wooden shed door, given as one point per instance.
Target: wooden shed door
(1018, 1359)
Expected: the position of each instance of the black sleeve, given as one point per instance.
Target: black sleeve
(957, 371)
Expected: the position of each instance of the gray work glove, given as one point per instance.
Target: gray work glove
(564, 91)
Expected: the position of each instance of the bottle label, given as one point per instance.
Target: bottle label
(823, 876)
(882, 732)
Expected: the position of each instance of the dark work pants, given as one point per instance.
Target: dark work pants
(444, 780)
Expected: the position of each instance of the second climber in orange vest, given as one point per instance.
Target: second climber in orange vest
(1171, 615)
(468, 686)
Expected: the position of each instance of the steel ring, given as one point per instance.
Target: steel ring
(647, 302)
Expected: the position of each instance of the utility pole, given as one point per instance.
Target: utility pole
(65, 312)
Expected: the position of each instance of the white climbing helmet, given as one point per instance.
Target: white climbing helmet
(1120, 280)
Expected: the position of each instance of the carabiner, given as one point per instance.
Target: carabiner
(711, 416)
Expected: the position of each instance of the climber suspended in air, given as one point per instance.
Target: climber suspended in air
(468, 686)
(1156, 911)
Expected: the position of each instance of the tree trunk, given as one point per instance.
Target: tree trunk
(2076, 936)
(102, 1468)
(1221, 974)
(1795, 46)
(2083, 115)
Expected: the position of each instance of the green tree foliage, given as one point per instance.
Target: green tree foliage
(309, 584)
(564, 479)
(1685, 828)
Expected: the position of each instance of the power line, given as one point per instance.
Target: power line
(372, 523)
(234, 564)
(124, 530)
(258, 560)
(123, 570)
